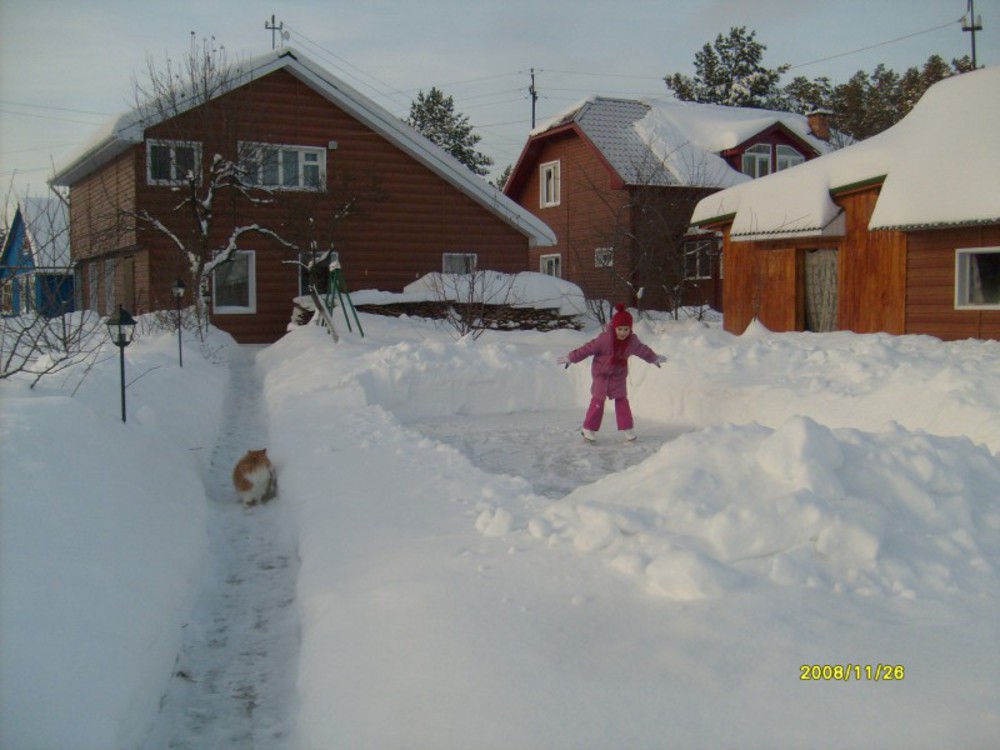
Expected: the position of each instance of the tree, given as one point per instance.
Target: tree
(207, 203)
(433, 116)
(729, 72)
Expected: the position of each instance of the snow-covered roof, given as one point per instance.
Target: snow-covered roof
(126, 130)
(939, 166)
(664, 141)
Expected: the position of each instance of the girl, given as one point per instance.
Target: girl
(611, 350)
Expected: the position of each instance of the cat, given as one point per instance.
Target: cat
(254, 478)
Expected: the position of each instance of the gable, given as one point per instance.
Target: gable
(130, 129)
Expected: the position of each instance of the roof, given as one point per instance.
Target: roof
(664, 141)
(127, 130)
(39, 236)
(937, 167)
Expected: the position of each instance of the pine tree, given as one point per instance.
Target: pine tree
(434, 117)
(729, 72)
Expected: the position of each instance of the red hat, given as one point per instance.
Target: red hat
(621, 317)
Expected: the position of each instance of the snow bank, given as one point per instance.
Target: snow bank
(101, 541)
(731, 509)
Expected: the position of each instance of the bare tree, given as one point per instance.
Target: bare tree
(209, 198)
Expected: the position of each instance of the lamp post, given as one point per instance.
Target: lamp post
(178, 292)
(120, 327)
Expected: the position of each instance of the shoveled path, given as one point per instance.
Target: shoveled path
(234, 681)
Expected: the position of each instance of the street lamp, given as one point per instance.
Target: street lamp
(178, 292)
(120, 327)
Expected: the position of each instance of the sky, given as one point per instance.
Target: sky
(67, 67)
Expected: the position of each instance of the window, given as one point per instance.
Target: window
(977, 278)
(234, 285)
(788, 157)
(549, 187)
(698, 259)
(284, 167)
(110, 265)
(757, 160)
(551, 265)
(172, 162)
(604, 257)
(458, 262)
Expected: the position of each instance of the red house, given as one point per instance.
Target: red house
(899, 233)
(617, 179)
(413, 208)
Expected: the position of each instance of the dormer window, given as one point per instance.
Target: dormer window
(757, 160)
(788, 157)
(172, 162)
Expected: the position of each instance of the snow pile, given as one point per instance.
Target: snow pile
(102, 540)
(731, 509)
(525, 289)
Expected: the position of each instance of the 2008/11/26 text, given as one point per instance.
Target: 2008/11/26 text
(848, 672)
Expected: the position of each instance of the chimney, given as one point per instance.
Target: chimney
(819, 123)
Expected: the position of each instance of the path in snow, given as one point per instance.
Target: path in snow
(546, 448)
(234, 681)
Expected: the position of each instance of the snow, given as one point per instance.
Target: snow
(952, 182)
(448, 565)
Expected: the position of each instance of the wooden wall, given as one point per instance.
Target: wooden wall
(930, 293)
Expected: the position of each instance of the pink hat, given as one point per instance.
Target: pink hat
(621, 318)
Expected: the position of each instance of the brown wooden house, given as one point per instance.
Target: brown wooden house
(899, 233)
(617, 180)
(414, 208)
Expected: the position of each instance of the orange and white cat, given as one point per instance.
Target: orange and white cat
(254, 478)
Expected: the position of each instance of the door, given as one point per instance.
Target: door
(821, 285)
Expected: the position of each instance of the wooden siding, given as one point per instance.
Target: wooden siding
(396, 235)
(763, 281)
(872, 270)
(930, 293)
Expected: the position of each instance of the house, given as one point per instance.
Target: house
(899, 233)
(617, 179)
(35, 272)
(325, 150)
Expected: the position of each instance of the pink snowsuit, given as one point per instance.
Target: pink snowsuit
(609, 376)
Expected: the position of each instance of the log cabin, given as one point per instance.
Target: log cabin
(616, 179)
(899, 233)
(338, 171)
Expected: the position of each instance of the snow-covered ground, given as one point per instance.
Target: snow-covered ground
(469, 574)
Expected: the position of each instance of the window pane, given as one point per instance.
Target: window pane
(159, 162)
(232, 282)
(269, 167)
(290, 168)
(184, 156)
(984, 278)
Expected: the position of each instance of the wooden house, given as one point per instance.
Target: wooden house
(328, 151)
(35, 271)
(617, 179)
(899, 233)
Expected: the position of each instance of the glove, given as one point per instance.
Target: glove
(564, 361)
(660, 359)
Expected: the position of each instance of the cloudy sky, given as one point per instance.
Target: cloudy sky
(67, 66)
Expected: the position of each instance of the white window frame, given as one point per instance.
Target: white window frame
(251, 307)
(549, 188)
(252, 161)
(459, 263)
(755, 157)
(787, 156)
(551, 265)
(604, 257)
(965, 274)
(701, 251)
(175, 178)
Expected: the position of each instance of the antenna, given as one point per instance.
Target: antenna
(534, 97)
(275, 28)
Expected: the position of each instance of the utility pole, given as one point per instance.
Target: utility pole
(534, 97)
(274, 29)
(972, 24)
